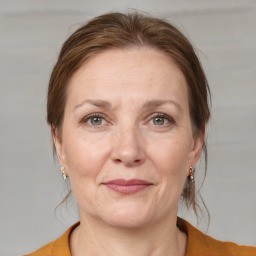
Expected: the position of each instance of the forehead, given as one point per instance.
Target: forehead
(134, 73)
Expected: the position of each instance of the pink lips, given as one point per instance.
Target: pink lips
(127, 186)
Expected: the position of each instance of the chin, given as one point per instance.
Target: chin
(126, 222)
(130, 216)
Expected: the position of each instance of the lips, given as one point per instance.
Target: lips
(124, 186)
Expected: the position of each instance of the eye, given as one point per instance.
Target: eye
(162, 119)
(97, 120)
(159, 120)
(94, 120)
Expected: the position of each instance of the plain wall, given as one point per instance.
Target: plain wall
(31, 33)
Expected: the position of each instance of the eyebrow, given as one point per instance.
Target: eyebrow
(157, 103)
(97, 103)
(106, 104)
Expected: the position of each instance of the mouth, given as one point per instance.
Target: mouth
(124, 186)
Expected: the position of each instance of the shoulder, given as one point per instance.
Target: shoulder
(201, 244)
(46, 250)
(58, 247)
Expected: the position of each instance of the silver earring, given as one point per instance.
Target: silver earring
(191, 174)
(64, 173)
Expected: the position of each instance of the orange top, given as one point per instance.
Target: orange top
(197, 244)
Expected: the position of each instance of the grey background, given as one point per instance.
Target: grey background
(31, 33)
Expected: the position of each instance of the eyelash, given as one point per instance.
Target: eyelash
(153, 116)
(164, 116)
(91, 116)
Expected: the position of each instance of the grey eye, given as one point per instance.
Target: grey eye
(96, 120)
(159, 121)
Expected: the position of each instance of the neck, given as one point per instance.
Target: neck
(94, 238)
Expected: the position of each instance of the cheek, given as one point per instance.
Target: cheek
(171, 159)
(85, 155)
(85, 159)
(172, 153)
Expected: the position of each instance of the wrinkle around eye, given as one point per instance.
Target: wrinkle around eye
(167, 120)
(88, 119)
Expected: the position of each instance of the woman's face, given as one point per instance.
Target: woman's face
(126, 141)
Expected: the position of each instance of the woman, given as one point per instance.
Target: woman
(128, 106)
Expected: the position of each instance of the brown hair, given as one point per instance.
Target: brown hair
(119, 31)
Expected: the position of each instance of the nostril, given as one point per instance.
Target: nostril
(128, 162)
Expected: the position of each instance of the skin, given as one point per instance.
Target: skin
(143, 132)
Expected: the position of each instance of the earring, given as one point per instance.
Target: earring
(191, 174)
(64, 173)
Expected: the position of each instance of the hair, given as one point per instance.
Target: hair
(124, 31)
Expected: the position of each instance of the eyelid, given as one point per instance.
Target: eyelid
(162, 115)
(150, 117)
(96, 114)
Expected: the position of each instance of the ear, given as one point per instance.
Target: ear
(56, 136)
(197, 146)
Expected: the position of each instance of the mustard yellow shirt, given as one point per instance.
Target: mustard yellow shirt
(198, 244)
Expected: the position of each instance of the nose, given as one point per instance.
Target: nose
(128, 147)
